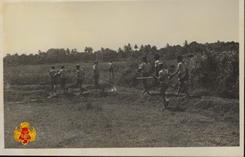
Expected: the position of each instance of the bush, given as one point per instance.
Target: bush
(219, 72)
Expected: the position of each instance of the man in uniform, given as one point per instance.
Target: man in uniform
(96, 73)
(53, 79)
(145, 70)
(79, 77)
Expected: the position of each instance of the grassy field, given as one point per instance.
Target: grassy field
(39, 74)
(125, 119)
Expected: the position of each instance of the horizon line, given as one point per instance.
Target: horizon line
(116, 49)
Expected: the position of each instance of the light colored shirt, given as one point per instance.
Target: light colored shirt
(156, 63)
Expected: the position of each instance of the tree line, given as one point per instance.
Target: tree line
(129, 51)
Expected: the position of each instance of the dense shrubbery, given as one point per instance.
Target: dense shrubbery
(224, 72)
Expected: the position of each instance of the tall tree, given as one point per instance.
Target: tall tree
(88, 50)
(136, 47)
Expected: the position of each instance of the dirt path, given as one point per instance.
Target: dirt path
(128, 119)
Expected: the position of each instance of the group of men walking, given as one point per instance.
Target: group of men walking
(163, 76)
(61, 77)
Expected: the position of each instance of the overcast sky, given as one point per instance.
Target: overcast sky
(33, 26)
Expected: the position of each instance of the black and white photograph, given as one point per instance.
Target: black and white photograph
(122, 74)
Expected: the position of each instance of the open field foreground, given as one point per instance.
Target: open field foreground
(126, 119)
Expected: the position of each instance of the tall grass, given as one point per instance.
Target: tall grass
(39, 74)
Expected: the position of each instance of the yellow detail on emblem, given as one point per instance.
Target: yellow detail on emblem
(24, 134)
